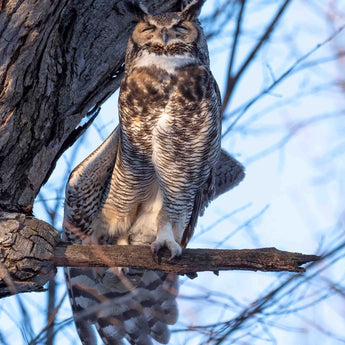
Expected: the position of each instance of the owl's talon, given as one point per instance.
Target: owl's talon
(175, 250)
(173, 247)
(155, 246)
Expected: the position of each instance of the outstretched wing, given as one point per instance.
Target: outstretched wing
(86, 188)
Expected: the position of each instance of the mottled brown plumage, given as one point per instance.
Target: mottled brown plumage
(150, 180)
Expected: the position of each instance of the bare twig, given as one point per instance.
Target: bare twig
(292, 133)
(297, 63)
(50, 323)
(232, 80)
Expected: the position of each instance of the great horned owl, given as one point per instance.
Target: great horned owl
(170, 124)
(150, 180)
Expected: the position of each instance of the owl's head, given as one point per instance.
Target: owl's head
(169, 33)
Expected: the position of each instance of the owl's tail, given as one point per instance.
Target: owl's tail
(136, 305)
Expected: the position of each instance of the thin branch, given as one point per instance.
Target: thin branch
(229, 84)
(51, 312)
(233, 80)
(292, 133)
(263, 39)
(50, 323)
(257, 307)
(244, 108)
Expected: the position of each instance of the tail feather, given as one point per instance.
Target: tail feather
(86, 332)
(136, 305)
(159, 331)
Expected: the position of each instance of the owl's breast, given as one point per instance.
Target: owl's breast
(145, 90)
(171, 100)
(148, 91)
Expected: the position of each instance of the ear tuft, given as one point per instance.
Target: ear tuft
(136, 9)
(192, 10)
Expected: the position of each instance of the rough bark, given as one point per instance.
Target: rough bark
(23, 241)
(190, 262)
(30, 250)
(59, 60)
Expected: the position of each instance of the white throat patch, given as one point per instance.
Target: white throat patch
(166, 62)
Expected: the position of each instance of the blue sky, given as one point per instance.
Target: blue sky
(291, 198)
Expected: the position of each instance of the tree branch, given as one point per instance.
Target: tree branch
(30, 250)
(22, 242)
(229, 84)
(232, 80)
(243, 109)
(190, 262)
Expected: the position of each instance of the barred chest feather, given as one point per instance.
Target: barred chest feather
(164, 95)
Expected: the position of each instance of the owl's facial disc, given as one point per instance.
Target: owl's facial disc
(155, 31)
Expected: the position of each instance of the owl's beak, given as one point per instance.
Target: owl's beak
(165, 35)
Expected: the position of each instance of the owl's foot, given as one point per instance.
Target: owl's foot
(122, 241)
(174, 248)
(165, 238)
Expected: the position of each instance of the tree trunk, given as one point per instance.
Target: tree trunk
(59, 61)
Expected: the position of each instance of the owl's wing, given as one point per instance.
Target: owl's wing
(226, 174)
(86, 188)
